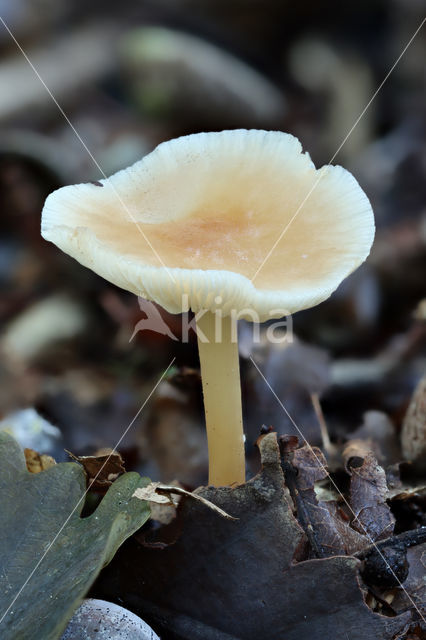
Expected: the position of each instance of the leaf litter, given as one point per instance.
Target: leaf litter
(49, 555)
(252, 577)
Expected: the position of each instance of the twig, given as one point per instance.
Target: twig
(406, 539)
(328, 447)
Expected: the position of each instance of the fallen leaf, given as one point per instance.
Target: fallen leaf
(161, 494)
(36, 462)
(101, 470)
(240, 579)
(149, 493)
(332, 534)
(368, 492)
(49, 556)
(165, 512)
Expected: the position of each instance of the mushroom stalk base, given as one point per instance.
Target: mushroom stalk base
(220, 374)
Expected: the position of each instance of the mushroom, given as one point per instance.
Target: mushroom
(235, 224)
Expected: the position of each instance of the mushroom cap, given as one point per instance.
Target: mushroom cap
(199, 215)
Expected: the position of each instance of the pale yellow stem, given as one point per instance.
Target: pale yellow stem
(220, 374)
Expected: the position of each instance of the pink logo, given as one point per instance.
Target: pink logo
(153, 320)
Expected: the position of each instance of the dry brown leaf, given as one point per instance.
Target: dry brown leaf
(368, 492)
(101, 470)
(333, 535)
(161, 494)
(241, 579)
(165, 513)
(37, 462)
(149, 493)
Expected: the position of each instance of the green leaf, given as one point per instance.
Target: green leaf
(40, 514)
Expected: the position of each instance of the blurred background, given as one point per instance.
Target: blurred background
(129, 75)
